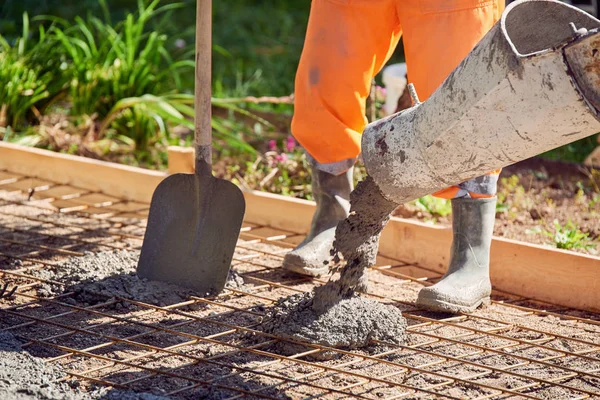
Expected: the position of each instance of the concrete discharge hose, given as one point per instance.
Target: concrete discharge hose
(530, 85)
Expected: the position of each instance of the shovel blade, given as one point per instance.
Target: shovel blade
(193, 227)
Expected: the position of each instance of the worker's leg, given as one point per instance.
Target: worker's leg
(347, 43)
(438, 36)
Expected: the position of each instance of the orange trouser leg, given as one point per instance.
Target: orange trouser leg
(349, 41)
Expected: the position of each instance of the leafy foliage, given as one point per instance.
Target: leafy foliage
(26, 82)
(566, 236)
(119, 81)
(434, 205)
(107, 64)
(574, 152)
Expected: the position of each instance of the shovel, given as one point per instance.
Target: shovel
(195, 219)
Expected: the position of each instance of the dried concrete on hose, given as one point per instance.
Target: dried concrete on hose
(24, 377)
(95, 277)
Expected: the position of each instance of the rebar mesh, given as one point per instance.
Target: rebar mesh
(514, 348)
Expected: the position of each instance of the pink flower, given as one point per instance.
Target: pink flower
(281, 157)
(290, 144)
(272, 145)
(380, 93)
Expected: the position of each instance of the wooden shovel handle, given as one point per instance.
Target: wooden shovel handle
(203, 87)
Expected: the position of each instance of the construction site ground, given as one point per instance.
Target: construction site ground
(186, 346)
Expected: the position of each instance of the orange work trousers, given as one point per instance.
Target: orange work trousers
(348, 42)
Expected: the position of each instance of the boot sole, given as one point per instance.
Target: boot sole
(299, 269)
(315, 273)
(454, 308)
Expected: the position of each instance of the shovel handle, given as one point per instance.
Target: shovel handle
(203, 87)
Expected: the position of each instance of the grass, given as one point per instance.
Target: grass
(106, 63)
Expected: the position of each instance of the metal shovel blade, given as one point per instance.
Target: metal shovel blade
(193, 226)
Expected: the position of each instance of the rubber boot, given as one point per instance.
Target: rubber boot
(466, 285)
(332, 195)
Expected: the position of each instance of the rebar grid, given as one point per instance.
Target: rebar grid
(516, 348)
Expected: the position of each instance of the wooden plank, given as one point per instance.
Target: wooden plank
(416, 243)
(553, 275)
(279, 212)
(401, 240)
(128, 183)
(556, 276)
(547, 274)
(181, 159)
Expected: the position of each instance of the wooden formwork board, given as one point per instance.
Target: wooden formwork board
(556, 276)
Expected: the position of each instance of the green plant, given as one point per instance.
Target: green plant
(120, 75)
(501, 206)
(283, 169)
(26, 81)
(567, 237)
(511, 184)
(435, 206)
(573, 152)
(580, 196)
(107, 64)
(594, 201)
(512, 196)
(125, 78)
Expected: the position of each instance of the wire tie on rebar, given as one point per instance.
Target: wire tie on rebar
(10, 293)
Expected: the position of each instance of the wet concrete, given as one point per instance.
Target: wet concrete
(356, 243)
(351, 323)
(96, 277)
(24, 377)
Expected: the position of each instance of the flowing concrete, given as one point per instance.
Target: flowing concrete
(357, 241)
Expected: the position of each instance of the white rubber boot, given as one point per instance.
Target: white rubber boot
(466, 285)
